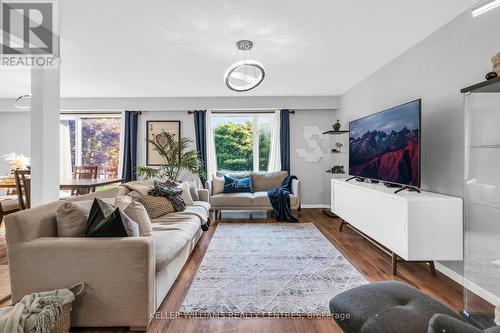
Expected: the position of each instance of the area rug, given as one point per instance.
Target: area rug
(269, 269)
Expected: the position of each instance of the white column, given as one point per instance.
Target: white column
(45, 110)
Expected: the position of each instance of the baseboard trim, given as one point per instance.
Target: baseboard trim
(476, 289)
(306, 206)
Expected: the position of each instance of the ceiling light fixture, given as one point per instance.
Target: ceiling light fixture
(245, 74)
(485, 7)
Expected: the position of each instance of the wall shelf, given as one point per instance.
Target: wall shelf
(332, 132)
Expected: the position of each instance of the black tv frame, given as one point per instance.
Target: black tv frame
(403, 186)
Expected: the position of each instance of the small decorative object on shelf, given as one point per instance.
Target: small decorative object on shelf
(336, 169)
(336, 126)
(491, 75)
(339, 146)
(496, 63)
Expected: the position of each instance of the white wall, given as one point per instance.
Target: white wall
(14, 136)
(315, 181)
(435, 70)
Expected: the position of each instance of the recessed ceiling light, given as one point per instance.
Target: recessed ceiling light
(485, 7)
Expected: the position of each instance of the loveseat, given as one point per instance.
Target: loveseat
(126, 278)
(255, 200)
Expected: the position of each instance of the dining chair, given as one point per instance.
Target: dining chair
(8, 204)
(84, 172)
(23, 188)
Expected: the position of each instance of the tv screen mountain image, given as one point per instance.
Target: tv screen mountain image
(386, 146)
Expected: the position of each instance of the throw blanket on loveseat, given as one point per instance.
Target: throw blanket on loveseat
(35, 313)
(280, 200)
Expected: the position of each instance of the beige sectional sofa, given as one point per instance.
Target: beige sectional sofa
(126, 278)
(258, 199)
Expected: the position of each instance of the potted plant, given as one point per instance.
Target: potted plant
(178, 160)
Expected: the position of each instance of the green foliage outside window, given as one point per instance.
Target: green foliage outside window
(234, 146)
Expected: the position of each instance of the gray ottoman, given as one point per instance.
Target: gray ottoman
(386, 307)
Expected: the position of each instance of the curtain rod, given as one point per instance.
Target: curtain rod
(242, 111)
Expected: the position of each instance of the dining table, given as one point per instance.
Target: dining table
(69, 183)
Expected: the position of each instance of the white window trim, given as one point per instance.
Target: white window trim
(77, 117)
(255, 134)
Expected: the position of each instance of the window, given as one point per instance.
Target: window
(242, 141)
(90, 140)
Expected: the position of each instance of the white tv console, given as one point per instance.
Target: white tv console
(409, 225)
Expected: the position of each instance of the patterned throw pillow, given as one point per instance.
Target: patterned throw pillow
(234, 185)
(156, 206)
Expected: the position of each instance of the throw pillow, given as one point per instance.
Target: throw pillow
(263, 181)
(156, 206)
(193, 189)
(217, 185)
(105, 221)
(141, 186)
(138, 213)
(233, 185)
(72, 216)
(186, 194)
(170, 191)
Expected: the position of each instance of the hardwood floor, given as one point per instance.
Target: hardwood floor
(368, 259)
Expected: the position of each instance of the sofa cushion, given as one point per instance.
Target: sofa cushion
(232, 200)
(262, 199)
(170, 237)
(186, 193)
(263, 181)
(193, 190)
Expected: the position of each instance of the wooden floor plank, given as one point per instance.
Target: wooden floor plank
(374, 264)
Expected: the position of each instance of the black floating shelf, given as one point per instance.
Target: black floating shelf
(335, 132)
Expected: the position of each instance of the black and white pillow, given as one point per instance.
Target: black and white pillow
(106, 221)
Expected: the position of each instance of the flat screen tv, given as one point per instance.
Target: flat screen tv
(386, 146)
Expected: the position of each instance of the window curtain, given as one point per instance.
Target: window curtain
(210, 142)
(275, 149)
(200, 127)
(129, 171)
(285, 140)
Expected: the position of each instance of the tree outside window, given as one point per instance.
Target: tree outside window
(242, 143)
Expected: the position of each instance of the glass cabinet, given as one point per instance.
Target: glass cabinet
(482, 203)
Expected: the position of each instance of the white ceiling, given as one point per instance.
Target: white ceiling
(175, 48)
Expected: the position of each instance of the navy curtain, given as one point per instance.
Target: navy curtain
(285, 140)
(129, 172)
(200, 127)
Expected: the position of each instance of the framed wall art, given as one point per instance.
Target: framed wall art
(155, 131)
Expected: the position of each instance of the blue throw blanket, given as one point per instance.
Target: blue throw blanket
(280, 200)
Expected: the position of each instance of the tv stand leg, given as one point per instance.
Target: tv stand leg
(349, 179)
(407, 188)
(394, 264)
(342, 222)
